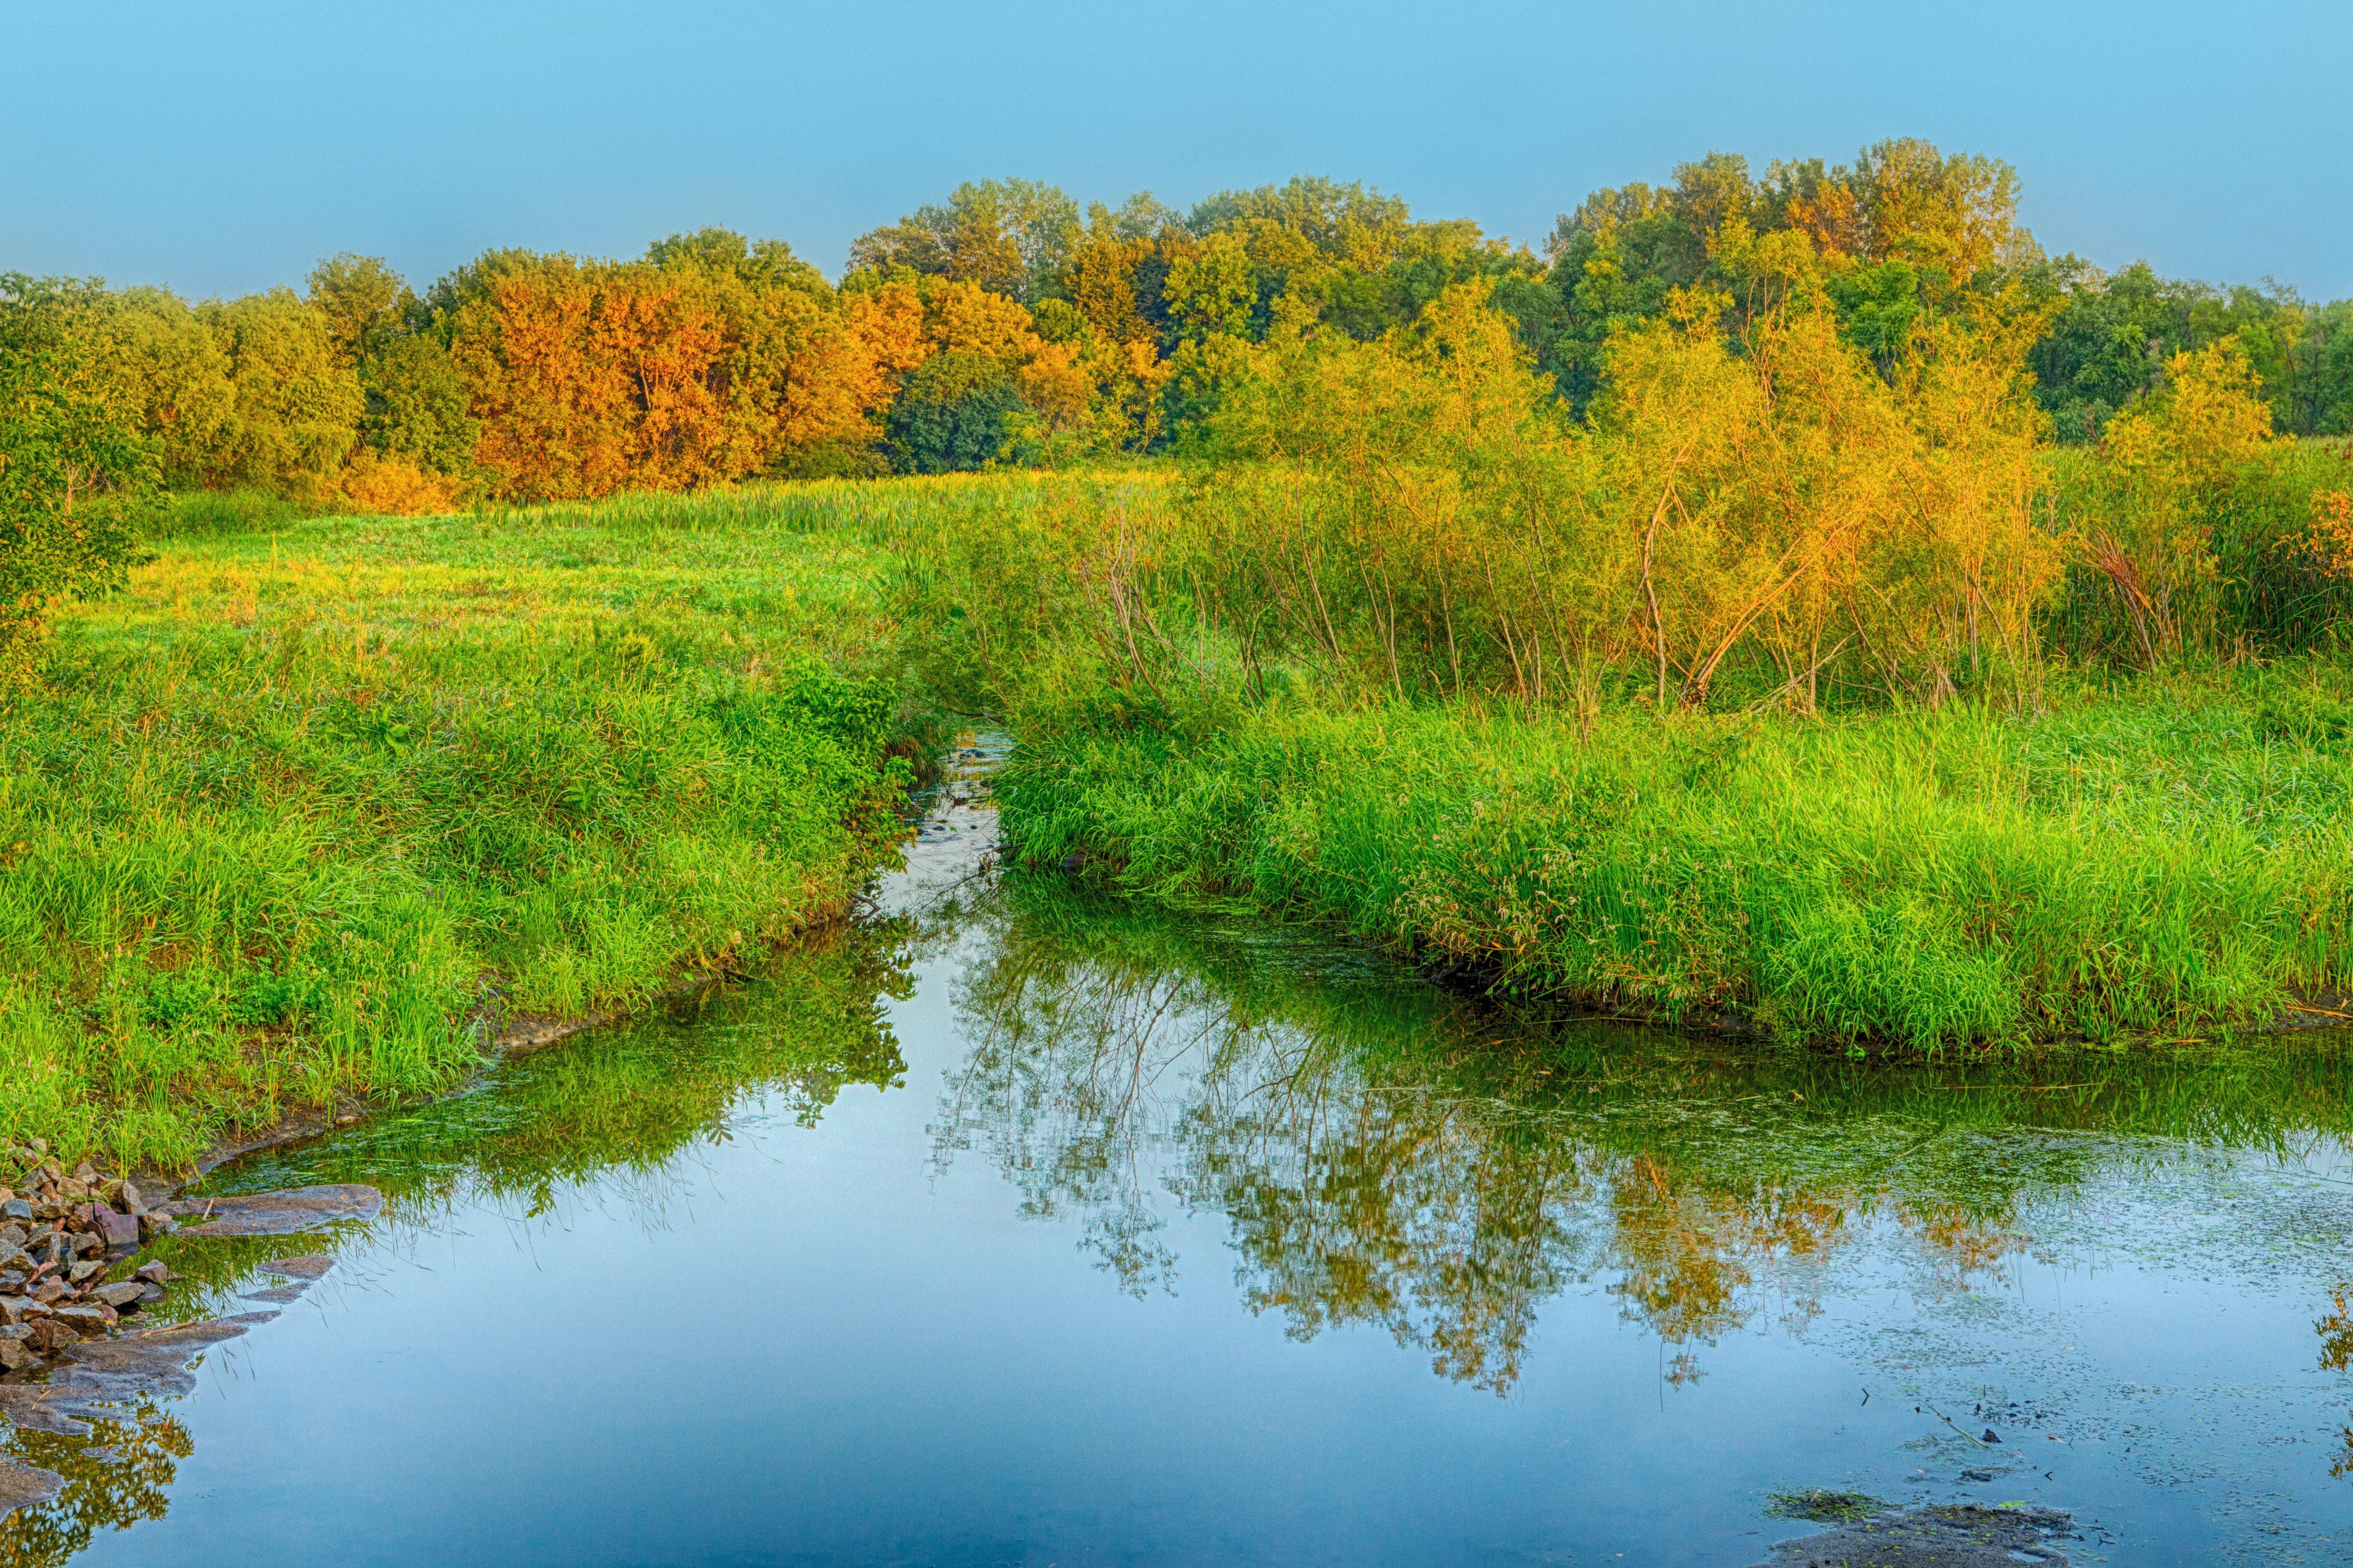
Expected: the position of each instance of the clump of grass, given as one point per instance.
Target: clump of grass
(206, 514)
(1825, 1507)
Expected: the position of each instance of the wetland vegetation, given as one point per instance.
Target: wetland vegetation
(1782, 605)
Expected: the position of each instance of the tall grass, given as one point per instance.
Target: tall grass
(2171, 860)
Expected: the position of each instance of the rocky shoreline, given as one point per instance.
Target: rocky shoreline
(64, 1240)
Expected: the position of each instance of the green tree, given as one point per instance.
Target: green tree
(951, 414)
(365, 304)
(1013, 236)
(75, 469)
(297, 404)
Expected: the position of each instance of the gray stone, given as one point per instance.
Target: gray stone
(93, 1378)
(15, 1355)
(17, 1209)
(121, 1295)
(311, 1266)
(78, 1272)
(130, 1200)
(278, 1295)
(12, 1236)
(155, 1223)
(156, 1272)
(90, 1322)
(284, 1214)
(22, 1486)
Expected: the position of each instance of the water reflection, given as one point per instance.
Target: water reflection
(115, 1478)
(1388, 1154)
(1371, 1151)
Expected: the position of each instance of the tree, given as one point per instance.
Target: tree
(296, 403)
(951, 414)
(1011, 236)
(75, 470)
(364, 303)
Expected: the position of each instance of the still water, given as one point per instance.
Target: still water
(1007, 1230)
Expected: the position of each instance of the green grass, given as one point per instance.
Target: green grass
(312, 800)
(305, 803)
(2166, 858)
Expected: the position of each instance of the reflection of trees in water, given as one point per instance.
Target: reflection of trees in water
(1391, 1155)
(114, 1479)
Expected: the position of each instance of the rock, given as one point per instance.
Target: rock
(286, 1213)
(17, 1209)
(152, 1224)
(22, 1486)
(1991, 1436)
(309, 1267)
(118, 1229)
(15, 1355)
(48, 1289)
(148, 1294)
(90, 1322)
(96, 1378)
(13, 1310)
(121, 1295)
(86, 1174)
(128, 1200)
(50, 1333)
(12, 1236)
(78, 1272)
(18, 1261)
(155, 1273)
(73, 1191)
(278, 1295)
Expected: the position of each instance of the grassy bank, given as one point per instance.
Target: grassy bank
(306, 804)
(2166, 858)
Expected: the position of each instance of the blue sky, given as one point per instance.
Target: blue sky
(224, 148)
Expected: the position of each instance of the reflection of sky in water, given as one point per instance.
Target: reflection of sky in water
(1182, 1249)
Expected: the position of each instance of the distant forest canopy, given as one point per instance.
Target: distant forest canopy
(1009, 324)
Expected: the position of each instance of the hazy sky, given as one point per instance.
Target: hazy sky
(224, 148)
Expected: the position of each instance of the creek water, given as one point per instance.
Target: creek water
(1007, 1229)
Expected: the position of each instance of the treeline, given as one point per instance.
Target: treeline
(1009, 324)
(1773, 496)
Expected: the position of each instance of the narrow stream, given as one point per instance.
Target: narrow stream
(1007, 1229)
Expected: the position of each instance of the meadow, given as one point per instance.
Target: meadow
(312, 808)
